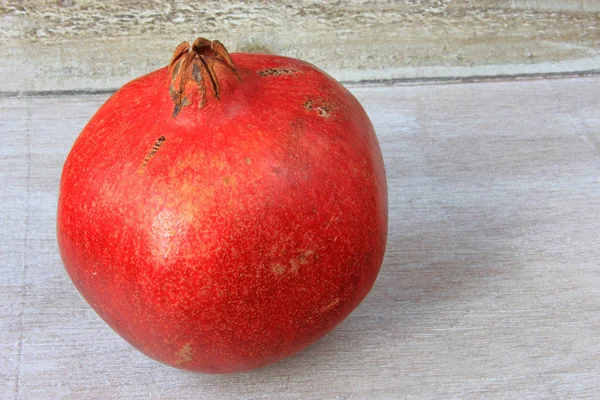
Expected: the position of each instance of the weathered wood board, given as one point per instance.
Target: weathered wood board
(490, 286)
(98, 45)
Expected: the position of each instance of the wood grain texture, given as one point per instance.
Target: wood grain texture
(490, 286)
(96, 45)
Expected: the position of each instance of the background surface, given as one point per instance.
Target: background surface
(490, 286)
(88, 44)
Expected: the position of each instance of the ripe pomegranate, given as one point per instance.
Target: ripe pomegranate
(225, 211)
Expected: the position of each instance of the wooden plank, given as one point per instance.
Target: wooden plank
(92, 45)
(490, 286)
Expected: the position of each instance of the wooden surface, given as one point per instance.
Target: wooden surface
(96, 45)
(490, 286)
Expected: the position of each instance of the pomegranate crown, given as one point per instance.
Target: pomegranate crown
(195, 66)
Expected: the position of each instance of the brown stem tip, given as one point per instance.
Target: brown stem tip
(195, 66)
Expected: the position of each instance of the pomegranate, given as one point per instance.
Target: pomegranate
(225, 211)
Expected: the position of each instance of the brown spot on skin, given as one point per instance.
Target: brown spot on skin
(277, 71)
(323, 108)
(159, 142)
(184, 355)
(248, 160)
(228, 180)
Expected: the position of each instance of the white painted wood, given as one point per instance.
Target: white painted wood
(490, 286)
(97, 45)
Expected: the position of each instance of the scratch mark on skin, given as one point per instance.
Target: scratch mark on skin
(322, 107)
(159, 142)
(277, 71)
(184, 355)
(334, 218)
(329, 306)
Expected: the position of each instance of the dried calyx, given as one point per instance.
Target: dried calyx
(196, 66)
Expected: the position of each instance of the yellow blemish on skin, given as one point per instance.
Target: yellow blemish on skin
(294, 264)
(304, 256)
(219, 164)
(165, 227)
(301, 259)
(278, 269)
(184, 355)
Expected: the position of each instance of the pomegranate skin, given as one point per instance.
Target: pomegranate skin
(224, 234)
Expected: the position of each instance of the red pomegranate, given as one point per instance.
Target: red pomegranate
(225, 211)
